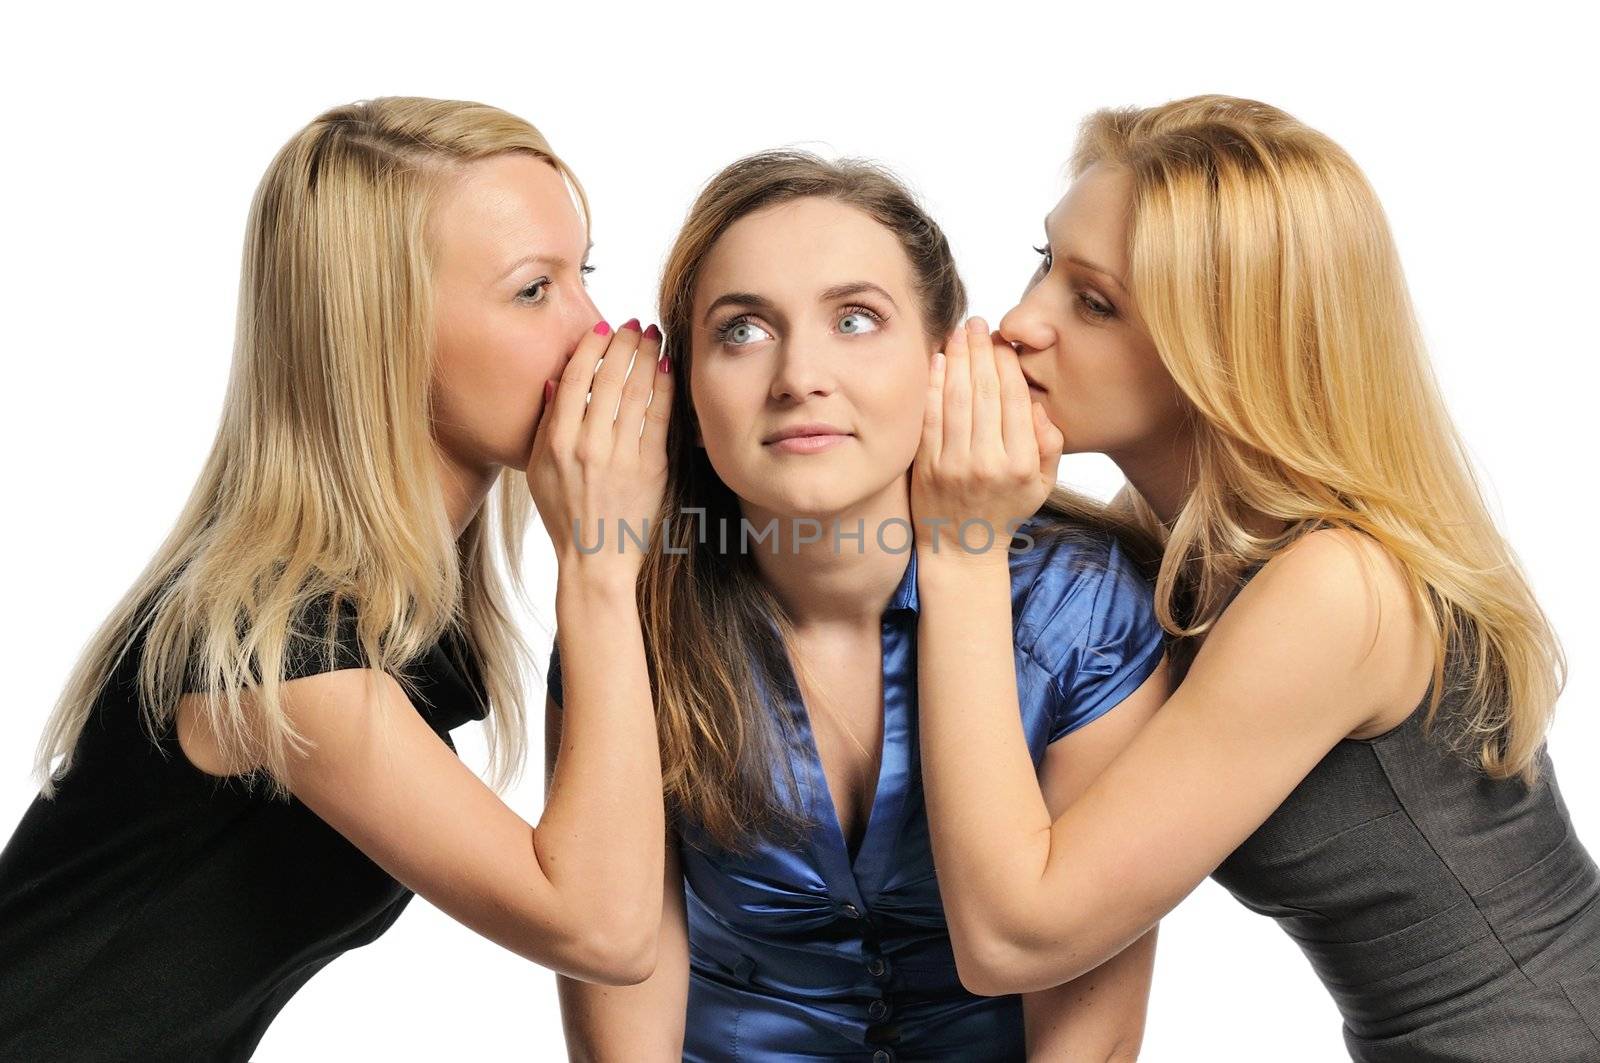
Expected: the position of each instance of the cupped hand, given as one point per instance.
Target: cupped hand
(599, 456)
(988, 455)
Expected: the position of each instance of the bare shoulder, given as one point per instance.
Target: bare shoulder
(1338, 602)
(334, 705)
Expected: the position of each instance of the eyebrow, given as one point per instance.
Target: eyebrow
(554, 261)
(827, 295)
(1085, 263)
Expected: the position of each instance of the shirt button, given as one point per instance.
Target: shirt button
(883, 1055)
(850, 911)
(877, 967)
(878, 1010)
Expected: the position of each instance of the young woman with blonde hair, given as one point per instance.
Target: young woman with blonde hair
(801, 303)
(1357, 748)
(250, 769)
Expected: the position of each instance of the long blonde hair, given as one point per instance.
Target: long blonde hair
(708, 618)
(322, 485)
(1265, 270)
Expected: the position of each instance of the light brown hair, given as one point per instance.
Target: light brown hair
(708, 618)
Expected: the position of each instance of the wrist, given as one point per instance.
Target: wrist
(588, 578)
(958, 571)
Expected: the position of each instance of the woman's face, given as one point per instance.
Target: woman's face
(1082, 343)
(510, 304)
(805, 317)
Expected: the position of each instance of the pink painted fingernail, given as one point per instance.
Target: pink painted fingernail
(602, 329)
(631, 323)
(652, 333)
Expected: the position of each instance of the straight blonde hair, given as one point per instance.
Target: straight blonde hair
(1264, 267)
(322, 488)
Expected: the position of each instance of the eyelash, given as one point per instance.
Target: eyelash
(1096, 308)
(1102, 312)
(544, 282)
(721, 331)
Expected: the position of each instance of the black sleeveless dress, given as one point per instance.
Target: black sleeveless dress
(153, 912)
(1452, 916)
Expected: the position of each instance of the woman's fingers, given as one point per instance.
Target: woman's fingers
(636, 391)
(572, 392)
(987, 444)
(957, 443)
(1049, 440)
(658, 414)
(933, 408)
(1016, 419)
(605, 391)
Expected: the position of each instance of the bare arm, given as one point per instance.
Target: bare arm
(640, 1023)
(1311, 650)
(582, 891)
(1099, 1016)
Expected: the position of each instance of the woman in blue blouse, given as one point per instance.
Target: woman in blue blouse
(803, 301)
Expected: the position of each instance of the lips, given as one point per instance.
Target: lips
(799, 431)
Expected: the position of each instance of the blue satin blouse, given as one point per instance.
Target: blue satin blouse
(807, 954)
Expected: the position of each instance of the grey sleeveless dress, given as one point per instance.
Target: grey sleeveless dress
(1451, 916)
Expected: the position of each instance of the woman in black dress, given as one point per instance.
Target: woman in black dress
(1356, 744)
(250, 769)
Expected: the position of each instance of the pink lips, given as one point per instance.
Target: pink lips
(808, 438)
(808, 444)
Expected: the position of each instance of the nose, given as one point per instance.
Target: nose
(801, 371)
(582, 312)
(1027, 326)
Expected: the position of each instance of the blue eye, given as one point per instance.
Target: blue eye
(741, 331)
(864, 321)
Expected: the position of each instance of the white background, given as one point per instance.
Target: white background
(134, 138)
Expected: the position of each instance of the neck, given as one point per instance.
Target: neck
(1163, 472)
(465, 486)
(818, 582)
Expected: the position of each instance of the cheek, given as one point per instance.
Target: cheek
(724, 404)
(899, 405)
(489, 378)
(1111, 390)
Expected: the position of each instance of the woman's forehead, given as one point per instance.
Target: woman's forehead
(795, 252)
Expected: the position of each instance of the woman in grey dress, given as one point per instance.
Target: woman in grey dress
(1356, 746)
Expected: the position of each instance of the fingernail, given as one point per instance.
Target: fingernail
(632, 323)
(652, 333)
(602, 329)
(664, 364)
(978, 324)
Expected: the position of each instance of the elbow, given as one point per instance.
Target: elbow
(630, 967)
(985, 968)
(620, 950)
(995, 958)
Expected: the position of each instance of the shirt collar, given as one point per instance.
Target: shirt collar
(905, 595)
